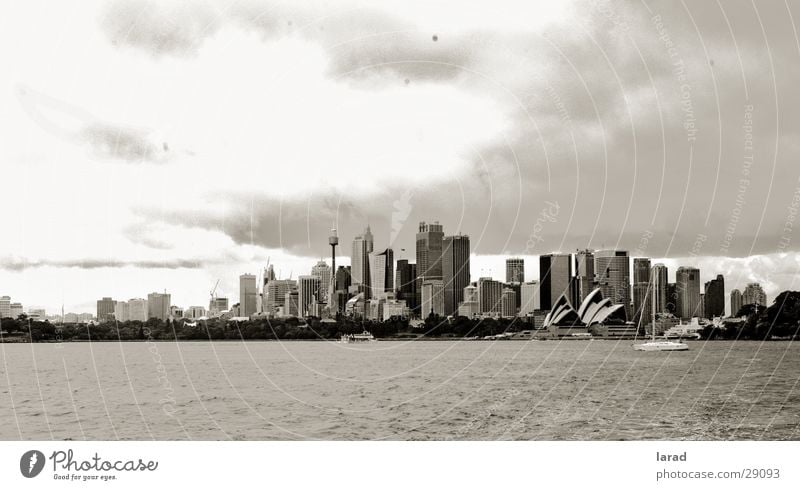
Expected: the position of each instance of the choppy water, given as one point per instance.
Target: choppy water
(399, 390)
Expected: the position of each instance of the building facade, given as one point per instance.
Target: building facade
(455, 270)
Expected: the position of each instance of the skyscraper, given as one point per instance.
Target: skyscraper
(642, 294)
(247, 295)
(555, 277)
(490, 295)
(429, 254)
(432, 297)
(276, 294)
(5, 306)
(660, 285)
(455, 270)
(137, 309)
(529, 301)
(343, 279)
(382, 272)
(584, 274)
(612, 271)
(754, 295)
(508, 306)
(322, 270)
(515, 270)
(405, 284)
(158, 305)
(687, 288)
(122, 311)
(105, 309)
(714, 299)
(736, 302)
(359, 261)
(308, 294)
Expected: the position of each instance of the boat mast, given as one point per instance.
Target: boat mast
(653, 301)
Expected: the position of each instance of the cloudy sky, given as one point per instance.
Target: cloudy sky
(163, 145)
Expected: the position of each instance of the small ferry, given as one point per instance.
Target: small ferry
(357, 338)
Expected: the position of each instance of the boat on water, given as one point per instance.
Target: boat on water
(682, 330)
(357, 338)
(654, 345)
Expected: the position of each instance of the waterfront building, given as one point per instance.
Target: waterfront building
(455, 270)
(105, 309)
(515, 270)
(490, 295)
(736, 302)
(584, 274)
(247, 295)
(555, 277)
(308, 294)
(714, 297)
(612, 274)
(122, 311)
(405, 283)
(382, 272)
(529, 298)
(432, 297)
(5, 306)
(359, 260)
(508, 307)
(322, 270)
(687, 289)
(754, 295)
(158, 305)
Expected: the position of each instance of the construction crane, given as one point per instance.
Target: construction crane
(212, 303)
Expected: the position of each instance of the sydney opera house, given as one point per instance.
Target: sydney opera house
(596, 315)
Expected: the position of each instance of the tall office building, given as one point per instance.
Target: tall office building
(612, 272)
(359, 261)
(642, 294)
(247, 295)
(429, 254)
(5, 306)
(432, 297)
(308, 294)
(508, 303)
(687, 289)
(382, 272)
(217, 305)
(291, 303)
(736, 302)
(405, 284)
(714, 298)
(529, 298)
(490, 296)
(122, 311)
(276, 294)
(322, 270)
(584, 275)
(16, 310)
(343, 280)
(555, 278)
(105, 309)
(158, 305)
(515, 270)
(754, 295)
(660, 285)
(455, 270)
(137, 310)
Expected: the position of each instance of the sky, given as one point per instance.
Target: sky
(164, 145)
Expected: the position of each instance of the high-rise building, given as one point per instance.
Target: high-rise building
(736, 302)
(470, 307)
(247, 295)
(381, 272)
(37, 314)
(105, 309)
(671, 305)
(515, 270)
(584, 274)
(122, 311)
(405, 283)
(158, 305)
(714, 298)
(5, 306)
(555, 278)
(490, 296)
(194, 312)
(429, 254)
(137, 310)
(308, 294)
(642, 294)
(359, 261)
(508, 306)
(322, 270)
(529, 298)
(687, 288)
(455, 270)
(612, 273)
(291, 306)
(754, 295)
(660, 284)
(343, 280)
(432, 297)
(218, 305)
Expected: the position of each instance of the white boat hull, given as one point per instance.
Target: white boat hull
(663, 346)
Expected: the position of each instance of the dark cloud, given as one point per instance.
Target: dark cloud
(17, 264)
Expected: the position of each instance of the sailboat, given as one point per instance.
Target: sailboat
(653, 344)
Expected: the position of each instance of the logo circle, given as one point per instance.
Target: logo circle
(31, 463)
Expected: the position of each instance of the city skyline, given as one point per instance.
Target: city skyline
(136, 176)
